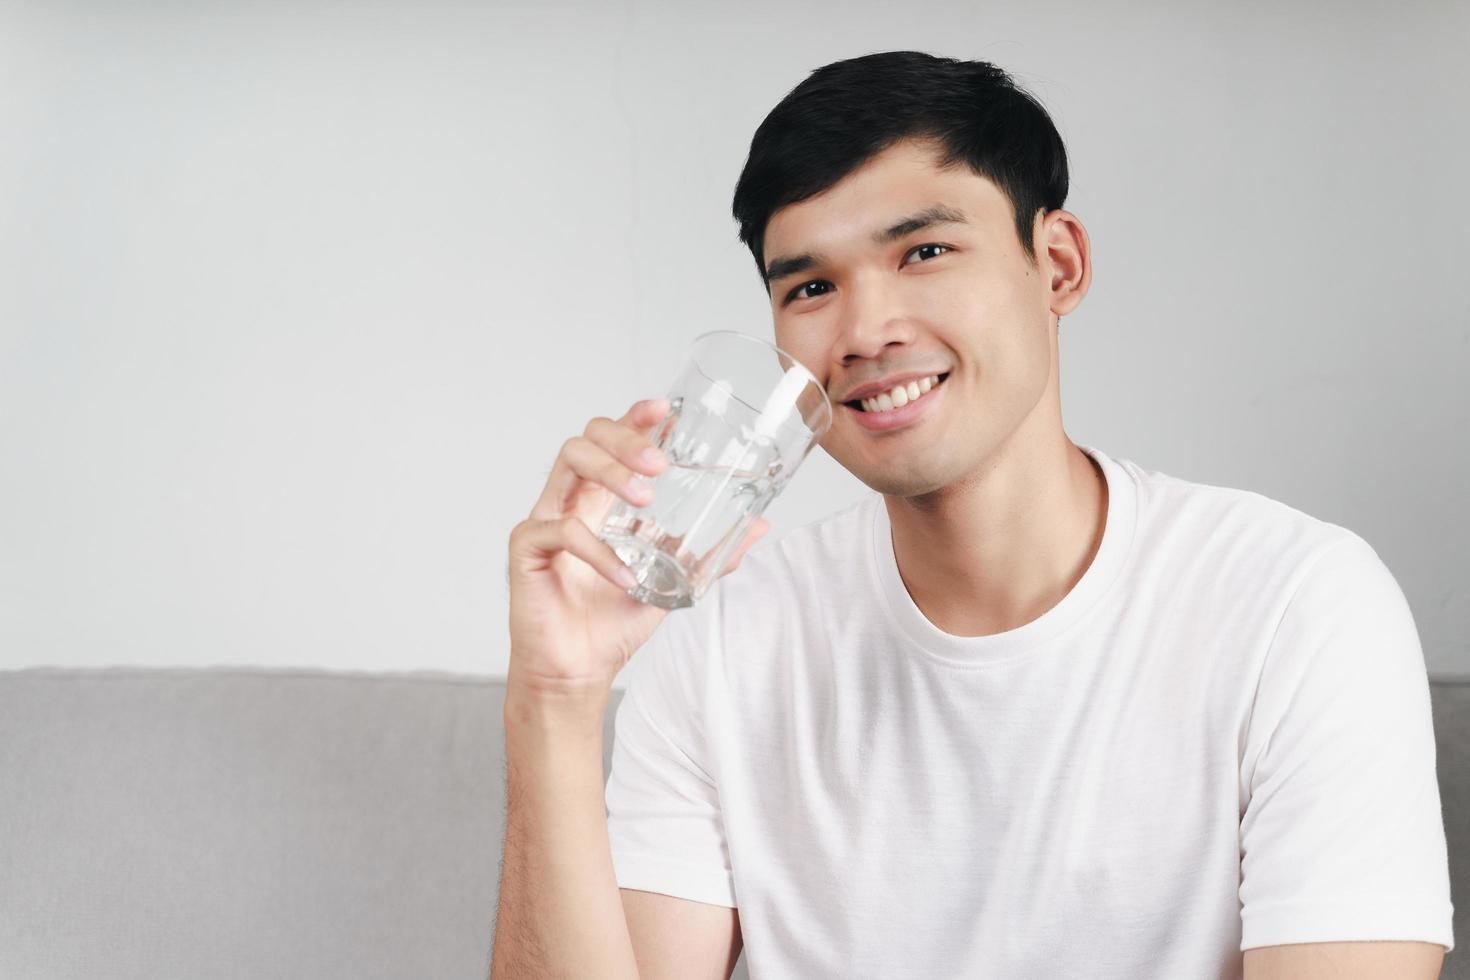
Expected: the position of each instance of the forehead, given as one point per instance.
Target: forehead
(902, 179)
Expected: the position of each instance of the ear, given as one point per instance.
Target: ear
(1065, 254)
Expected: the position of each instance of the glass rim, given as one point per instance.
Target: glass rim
(812, 378)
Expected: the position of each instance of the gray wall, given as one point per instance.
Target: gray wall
(298, 301)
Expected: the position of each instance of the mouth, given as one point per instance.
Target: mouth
(874, 417)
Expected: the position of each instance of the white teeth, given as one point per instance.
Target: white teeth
(900, 395)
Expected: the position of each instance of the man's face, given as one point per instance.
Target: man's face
(864, 311)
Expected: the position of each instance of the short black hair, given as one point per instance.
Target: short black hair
(845, 113)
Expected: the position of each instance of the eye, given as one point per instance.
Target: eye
(797, 294)
(930, 245)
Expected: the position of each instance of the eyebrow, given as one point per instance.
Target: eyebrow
(934, 214)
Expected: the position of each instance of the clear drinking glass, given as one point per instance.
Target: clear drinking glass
(743, 414)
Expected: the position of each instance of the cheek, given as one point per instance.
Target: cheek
(966, 310)
(809, 355)
(993, 320)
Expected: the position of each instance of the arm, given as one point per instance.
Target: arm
(572, 627)
(560, 912)
(681, 939)
(1345, 961)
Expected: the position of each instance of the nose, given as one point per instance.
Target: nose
(872, 319)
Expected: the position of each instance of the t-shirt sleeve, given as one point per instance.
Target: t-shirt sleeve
(1342, 837)
(663, 804)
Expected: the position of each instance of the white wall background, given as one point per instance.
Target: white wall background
(299, 301)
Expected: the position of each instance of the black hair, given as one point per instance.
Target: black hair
(845, 113)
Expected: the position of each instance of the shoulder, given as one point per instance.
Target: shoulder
(1242, 536)
(1316, 593)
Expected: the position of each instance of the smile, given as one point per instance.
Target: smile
(877, 419)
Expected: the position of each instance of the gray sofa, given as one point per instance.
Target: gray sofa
(212, 824)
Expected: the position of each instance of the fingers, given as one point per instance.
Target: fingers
(535, 543)
(609, 455)
(645, 414)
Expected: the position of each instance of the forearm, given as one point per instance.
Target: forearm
(560, 913)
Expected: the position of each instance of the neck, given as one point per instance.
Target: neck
(998, 549)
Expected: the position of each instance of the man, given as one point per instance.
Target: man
(1029, 709)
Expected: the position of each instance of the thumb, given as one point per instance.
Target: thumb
(758, 529)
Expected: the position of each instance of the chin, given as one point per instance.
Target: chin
(892, 477)
(901, 484)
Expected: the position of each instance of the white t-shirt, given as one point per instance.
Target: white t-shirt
(1220, 738)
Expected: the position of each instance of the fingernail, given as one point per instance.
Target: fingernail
(652, 456)
(626, 578)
